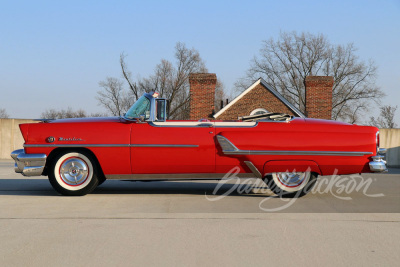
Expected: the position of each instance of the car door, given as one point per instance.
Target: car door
(172, 147)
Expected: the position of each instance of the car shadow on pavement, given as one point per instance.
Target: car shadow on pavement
(42, 187)
(184, 188)
(26, 187)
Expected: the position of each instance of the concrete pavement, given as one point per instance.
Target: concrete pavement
(173, 223)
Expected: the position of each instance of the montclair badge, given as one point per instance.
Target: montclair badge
(70, 139)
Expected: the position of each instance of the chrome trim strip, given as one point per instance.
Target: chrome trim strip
(297, 153)
(77, 145)
(237, 126)
(228, 148)
(253, 169)
(201, 125)
(175, 176)
(173, 126)
(162, 145)
(110, 145)
(180, 124)
(225, 144)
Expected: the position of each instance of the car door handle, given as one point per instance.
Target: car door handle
(205, 125)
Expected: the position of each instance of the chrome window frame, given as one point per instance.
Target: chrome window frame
(153, 109)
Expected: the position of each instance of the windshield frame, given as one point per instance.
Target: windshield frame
(150, 98)
(153, 109)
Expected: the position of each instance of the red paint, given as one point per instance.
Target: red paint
(199, 159)
(296, 135)
(291, 166)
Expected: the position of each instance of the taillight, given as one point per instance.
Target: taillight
(377, 142)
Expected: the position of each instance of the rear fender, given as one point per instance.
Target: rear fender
(24, 131)
(291, 166)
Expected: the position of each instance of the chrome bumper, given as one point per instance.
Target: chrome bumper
(28, 164)
(378, 164)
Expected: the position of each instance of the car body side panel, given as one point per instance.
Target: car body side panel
(297, 136)
(113, 160)
(179, 149)
(126, 147)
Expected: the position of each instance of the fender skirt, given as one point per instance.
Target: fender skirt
(291, 166)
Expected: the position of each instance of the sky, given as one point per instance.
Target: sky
(53, 54)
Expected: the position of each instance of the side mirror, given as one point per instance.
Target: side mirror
(161, 112)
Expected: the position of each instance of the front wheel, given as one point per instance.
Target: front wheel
(291, 184)
(73, 173)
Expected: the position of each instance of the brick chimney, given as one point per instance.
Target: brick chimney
(202, 95)
(319, 97)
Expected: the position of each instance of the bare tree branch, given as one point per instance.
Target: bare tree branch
(286, 62)
(68, 113)
(135, 90)
(170, 80)
(3, 114)
(113, 97)
(386, 118)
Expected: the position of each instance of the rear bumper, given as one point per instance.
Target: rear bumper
(28, 164)
(378, 164)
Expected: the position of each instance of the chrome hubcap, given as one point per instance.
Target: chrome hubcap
(291, 179)
(74, 171)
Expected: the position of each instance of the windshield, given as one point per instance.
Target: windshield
(141, 107)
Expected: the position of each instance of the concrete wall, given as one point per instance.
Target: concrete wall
(10, 136)
(11, 139)
(390, 139)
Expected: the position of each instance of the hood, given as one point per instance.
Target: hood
(85, 120)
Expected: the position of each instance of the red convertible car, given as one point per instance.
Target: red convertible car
(287, 152)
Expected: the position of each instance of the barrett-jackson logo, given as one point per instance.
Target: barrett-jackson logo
(70, 139)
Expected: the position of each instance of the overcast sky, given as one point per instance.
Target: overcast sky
(53, 54)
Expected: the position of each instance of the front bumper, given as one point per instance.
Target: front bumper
(28, 164)
(378, 164)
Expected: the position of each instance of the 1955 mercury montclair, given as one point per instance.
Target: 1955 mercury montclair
(287, 152)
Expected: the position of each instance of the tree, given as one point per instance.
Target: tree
(169, 79)
(220, 95)
(113, 97)
(68, 113)
(3, 114)
(386, 118)
(286, 62)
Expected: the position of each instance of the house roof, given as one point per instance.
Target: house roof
(290, 106)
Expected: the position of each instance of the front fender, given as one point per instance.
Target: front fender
(291, 166)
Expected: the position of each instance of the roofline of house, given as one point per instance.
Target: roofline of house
(290, 106)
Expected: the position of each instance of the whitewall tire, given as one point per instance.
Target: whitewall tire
(287, 184)
(73, 173)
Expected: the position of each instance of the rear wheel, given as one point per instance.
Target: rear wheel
(73, 173)
(291, 184)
